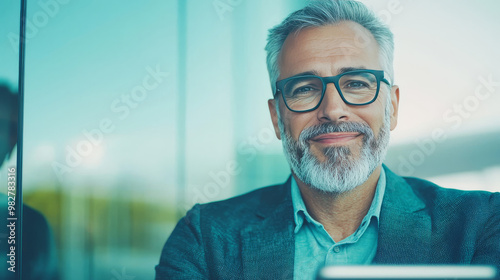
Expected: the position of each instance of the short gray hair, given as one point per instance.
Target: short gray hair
(328, 12)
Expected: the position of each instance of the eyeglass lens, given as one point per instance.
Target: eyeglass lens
(304, 93)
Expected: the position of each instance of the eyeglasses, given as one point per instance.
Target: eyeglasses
(305, 93)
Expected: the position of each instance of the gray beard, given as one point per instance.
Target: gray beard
(341, 171)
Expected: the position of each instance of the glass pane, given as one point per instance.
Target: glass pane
(9, 105)
(100, 112)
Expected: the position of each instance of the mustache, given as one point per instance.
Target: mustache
(324, 128)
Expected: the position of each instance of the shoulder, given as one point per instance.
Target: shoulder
(252, 199)
(243, 206)
(448, 202)
(441, 196)
(239, 209)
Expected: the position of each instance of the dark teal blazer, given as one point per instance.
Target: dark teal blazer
(251, 236)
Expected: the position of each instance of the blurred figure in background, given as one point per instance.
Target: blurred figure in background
(39, 252)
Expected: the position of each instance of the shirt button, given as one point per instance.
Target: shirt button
(336, 249)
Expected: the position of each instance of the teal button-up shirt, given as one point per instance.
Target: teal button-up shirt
(315, 248)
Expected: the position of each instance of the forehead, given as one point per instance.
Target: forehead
(326, 49)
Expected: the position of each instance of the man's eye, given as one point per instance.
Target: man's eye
(356, 85)
(305, 90)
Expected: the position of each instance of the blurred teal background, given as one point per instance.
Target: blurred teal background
(136, 110)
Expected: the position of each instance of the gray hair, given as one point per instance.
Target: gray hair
(328, 12)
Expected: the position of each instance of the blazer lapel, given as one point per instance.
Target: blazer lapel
(268, 244)
(404, 227)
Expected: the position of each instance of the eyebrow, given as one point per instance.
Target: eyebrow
(347, 69)
(341, 71)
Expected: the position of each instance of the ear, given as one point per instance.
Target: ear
(395, 106)
(271, 103)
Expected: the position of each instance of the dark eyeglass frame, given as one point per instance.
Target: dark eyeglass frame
(379, 75)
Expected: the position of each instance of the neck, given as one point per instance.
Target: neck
(340, 213)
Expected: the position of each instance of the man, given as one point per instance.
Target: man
(330, 66)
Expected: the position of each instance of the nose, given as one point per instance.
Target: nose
(332, 107)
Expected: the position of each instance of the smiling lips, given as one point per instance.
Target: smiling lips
(336, 138)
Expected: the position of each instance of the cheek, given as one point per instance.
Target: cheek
(374, 118)
(295, 123)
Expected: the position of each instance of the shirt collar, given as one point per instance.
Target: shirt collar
(300, 207)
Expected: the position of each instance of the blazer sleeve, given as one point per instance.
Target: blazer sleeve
(183, 256)
(488, 244)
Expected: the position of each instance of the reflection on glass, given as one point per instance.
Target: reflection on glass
(39, 259)
(39, 254)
